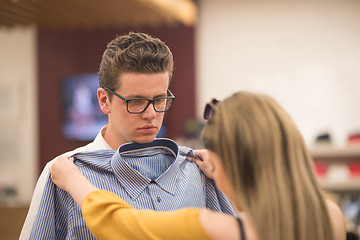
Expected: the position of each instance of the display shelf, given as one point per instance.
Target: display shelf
(351, 185)
(330, 153)
(336, 180)
(338, 172)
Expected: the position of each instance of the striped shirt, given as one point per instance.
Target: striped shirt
(148, 176)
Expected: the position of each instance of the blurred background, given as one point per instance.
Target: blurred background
(305, 54)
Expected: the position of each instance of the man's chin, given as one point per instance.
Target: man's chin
(145, 139)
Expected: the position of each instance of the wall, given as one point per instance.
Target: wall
(18, 114)
(63, 53)
(305, 54)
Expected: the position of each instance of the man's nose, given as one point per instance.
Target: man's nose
(150, 111)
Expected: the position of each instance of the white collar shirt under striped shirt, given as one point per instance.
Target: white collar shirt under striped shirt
(148, 176)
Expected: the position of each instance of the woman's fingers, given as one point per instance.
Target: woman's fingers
(205, 165)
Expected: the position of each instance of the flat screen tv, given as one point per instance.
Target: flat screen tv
(82, 116)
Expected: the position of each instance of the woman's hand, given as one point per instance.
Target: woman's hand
(205, 165)
(63, 172)
(69, 178)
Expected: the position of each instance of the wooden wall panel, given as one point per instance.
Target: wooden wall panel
(62, 53)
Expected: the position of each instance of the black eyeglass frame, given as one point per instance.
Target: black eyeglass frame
(150, 101)
(210, 108)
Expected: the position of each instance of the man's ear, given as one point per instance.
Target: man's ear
(104, 101)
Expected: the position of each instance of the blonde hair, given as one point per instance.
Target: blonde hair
(269, 167)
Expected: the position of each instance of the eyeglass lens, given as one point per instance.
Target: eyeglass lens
(140, 105)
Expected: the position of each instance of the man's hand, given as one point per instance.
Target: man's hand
(205, 165)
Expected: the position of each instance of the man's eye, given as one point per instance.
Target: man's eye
(138, 102)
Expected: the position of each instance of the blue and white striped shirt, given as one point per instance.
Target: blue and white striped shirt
(148, 176)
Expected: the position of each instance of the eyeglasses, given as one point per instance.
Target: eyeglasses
(139, 105)
(210, 109)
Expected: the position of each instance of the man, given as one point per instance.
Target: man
(134, 75)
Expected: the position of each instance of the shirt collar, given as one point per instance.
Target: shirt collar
(134, 183)
(100, 140)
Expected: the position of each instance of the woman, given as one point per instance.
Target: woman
(259, 160)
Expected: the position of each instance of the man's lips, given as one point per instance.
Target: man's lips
(148, 128)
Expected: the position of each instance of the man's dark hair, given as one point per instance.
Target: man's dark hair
(134, 52)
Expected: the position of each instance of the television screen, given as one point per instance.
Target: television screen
(83, 117)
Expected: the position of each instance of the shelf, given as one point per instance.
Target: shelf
(329, 153)
(351, 185)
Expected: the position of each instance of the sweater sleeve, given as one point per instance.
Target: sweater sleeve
(110, 217)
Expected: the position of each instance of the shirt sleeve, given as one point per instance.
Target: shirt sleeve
(44, 224)
(216, 200)
(35, 203)
(110, 217)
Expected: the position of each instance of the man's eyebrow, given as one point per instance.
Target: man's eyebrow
(139, 96)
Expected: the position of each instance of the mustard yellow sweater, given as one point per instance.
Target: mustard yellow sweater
(110, 217)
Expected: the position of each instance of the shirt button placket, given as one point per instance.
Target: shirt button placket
(154, 192)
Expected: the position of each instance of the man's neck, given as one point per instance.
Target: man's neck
(111, 140)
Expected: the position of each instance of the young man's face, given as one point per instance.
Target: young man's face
(125, 127)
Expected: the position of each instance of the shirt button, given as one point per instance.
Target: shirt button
(158, 199)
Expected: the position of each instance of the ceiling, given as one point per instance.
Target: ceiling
(95, 14)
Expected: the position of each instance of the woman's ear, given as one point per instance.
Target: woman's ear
(104, 101)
